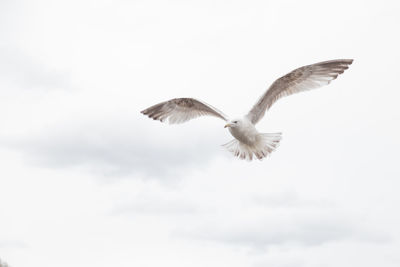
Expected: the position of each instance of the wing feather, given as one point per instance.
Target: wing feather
(179, 110)
(301, 79)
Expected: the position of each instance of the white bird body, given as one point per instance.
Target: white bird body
(244, 131)
(248, 141)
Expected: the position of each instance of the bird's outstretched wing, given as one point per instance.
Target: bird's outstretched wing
(180, 110)
(301, 79)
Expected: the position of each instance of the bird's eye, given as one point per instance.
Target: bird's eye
(235, 122)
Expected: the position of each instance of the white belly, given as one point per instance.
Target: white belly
(246, 134)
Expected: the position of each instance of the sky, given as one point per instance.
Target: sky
(86, 180)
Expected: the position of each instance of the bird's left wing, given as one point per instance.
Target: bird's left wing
(301, 79)
(180, 110)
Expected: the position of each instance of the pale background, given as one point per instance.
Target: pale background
(86, 180)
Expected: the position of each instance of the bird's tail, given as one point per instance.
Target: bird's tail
(266, 143)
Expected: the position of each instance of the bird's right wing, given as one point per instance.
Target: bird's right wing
(301, 79)
(180, 110)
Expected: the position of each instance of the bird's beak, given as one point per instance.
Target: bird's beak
(227, 125)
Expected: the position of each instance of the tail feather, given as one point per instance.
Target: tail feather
(266, 143)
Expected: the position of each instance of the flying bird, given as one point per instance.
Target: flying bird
(248, 142)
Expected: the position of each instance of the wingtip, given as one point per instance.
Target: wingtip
(146, 113)
(151, 116)
(345, 60)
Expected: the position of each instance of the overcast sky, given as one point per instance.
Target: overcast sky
(86, 180)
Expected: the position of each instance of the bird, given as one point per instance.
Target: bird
(248, 143)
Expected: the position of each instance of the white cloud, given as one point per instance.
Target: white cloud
(110, 152)
(19, 69)
(74, 76)
(283, 227)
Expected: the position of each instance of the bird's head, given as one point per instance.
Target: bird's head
(233, 123)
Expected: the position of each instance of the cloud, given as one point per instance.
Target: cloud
(155, 207)
(264, 233)
(12, 244)
(161, 205)
(327, 197)
(284, 220)
(19, 69)
(122, 148)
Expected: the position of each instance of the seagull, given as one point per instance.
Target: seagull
(248, 142)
